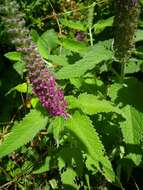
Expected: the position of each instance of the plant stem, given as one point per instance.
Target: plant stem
(91, 36)
(122, 71)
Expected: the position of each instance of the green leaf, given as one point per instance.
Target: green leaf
(139, 35)
(46, 42)
(81, 128)
(93, 106)
(14, 56)
(56, 128)
(71, 155)
(58, 60)
(72, 102)
(45, 167)
(19, 66)
(35, 35)
(68, 178)
(132, 130)
(34, 101)
(91, 58)
(23, 132)
(23, 88)
(73, 24)
(133, 66)
(102, 24)
(129, 97)
(129, 93)
(77, 82)
(43, 48)
(72, 45)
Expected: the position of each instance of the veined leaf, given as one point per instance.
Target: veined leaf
(19, 66)
(133, 66)
(58, 60)
(72, 102)
(46, 42)
(91, 58)
(129, 93)
(102, 24)
(139, 35)
(129, 97)
(23, 88)
(132, 130)
(14, 56)
(68, 178)
(70, 156)
(81, 128)
(45, 167)
(56, 128)
(23, 132)
(73, 24)
(35, 36)
(72, 44)
(93, 106)
(90, 104)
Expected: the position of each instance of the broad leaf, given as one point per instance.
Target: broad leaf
(71, 155)
(19, 66)
(130, 93)
(72, 44)
(58, 60)
(46, 42)
(81, 128)
(73, 24)
(45, 167)
(91, 58)
(102, 24)
(23, 132)
(23, 88)
(56, 128)
(91, 104)
(132, 130)
(133, 66)
(14, 56)
(139, 35)
(129, 97)
(68, 178)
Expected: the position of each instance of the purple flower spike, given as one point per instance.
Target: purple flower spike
(42, 80)
(45, 87)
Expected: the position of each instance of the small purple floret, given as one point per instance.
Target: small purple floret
(80, 36)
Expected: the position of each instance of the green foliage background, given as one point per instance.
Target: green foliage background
(100, 145)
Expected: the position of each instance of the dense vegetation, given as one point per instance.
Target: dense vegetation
(71, 95)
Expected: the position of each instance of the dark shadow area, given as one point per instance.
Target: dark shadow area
(68, 187)
(133, 148)
(131, 94)
(131, 176)
(109, 130)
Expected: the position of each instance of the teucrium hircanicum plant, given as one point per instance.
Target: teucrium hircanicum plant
(104, 131)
